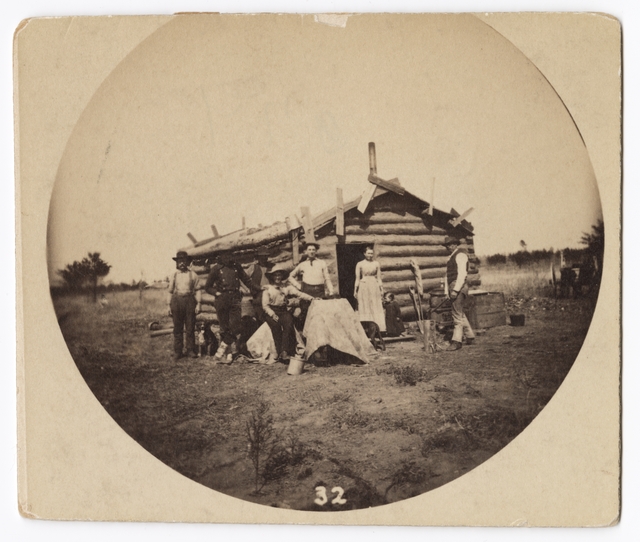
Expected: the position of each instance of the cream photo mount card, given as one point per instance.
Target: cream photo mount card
(173, 172)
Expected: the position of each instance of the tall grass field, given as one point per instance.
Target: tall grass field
(531, 280)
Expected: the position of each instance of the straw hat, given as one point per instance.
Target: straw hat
(278, 268)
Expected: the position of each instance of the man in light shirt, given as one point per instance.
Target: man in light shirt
(182, 306)
(457, 289)
(313, 278)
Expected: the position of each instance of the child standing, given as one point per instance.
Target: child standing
(393, 316)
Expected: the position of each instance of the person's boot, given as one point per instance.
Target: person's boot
(177, 347)
(231, 353)
(222, 349)
(470, 341)
(455, 345)
(284, 357)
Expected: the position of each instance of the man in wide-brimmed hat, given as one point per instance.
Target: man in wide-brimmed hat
(457, 289)
(259, 280)
(313, 277)
(182, 305)
(276, 313)
(223, 282)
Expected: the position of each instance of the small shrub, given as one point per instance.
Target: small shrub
(407, 375)
(408, 474)
(264, 445)
(350, 418)
(410, 375)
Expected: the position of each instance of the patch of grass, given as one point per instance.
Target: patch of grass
(528, 280)
(350, 418)
(410, 375)
(489, 429)
(341, 397)
(408, 474)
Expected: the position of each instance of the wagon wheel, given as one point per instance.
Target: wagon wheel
(554, 281)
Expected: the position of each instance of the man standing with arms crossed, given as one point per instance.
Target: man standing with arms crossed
(457, 289)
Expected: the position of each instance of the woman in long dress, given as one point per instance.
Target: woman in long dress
(368, 290)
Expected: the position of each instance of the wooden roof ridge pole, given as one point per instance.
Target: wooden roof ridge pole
(192, 238)
(458, 220)
(339, 212)
(307, 222)
(393, 185)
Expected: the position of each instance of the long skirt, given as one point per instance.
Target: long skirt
(370, 302)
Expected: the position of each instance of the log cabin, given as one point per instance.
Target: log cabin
(398, 224)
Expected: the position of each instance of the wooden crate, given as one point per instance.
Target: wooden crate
(486, 309)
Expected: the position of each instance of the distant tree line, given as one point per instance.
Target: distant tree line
(85, 274)
(525, 257)
(593, 249)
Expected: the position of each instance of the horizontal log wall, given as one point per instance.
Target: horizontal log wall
(409, 252)
(409, 228)
(207, 317)
(407, 274)
(399, 237)
(392, 239)
(383, 217)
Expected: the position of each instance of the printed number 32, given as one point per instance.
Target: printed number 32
(321, 494)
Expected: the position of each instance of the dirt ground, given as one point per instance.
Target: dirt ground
(368, 434)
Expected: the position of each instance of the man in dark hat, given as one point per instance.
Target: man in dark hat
(457, 289)
(259, 281)
(182, 305)
(223, 282)
(313, 278)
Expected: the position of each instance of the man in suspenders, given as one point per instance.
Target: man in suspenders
(182, 306)
(457, 289)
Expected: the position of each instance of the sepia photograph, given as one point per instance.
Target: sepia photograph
(327, 263)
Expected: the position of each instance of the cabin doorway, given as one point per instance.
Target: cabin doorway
(348, 256)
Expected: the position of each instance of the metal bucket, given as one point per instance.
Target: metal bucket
(517, 319)
(296, 365)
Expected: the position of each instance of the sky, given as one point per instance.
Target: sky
(214, 119)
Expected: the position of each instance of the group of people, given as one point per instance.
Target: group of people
(273, 286)
(270, 292)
